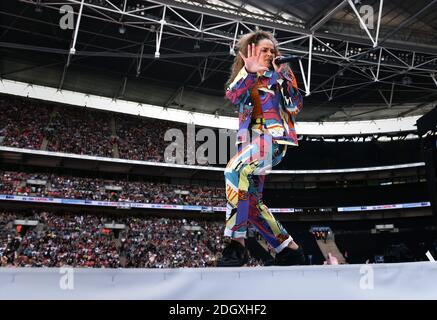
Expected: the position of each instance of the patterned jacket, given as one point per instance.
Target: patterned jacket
(280, 102)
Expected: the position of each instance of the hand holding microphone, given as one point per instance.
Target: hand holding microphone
(281, 59)
(279, 63)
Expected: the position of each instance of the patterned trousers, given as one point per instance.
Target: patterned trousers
(244, 176)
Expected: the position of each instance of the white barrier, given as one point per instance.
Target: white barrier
(376, 281)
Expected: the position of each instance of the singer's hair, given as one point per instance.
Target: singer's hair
(245, 40)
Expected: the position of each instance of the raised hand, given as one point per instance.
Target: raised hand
(251, 62)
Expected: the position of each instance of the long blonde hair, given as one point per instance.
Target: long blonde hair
(245, 40)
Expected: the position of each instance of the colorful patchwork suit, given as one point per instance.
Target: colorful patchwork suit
(261, 144)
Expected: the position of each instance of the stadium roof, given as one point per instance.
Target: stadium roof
(178, 53)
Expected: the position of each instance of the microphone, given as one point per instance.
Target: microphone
(286, 59)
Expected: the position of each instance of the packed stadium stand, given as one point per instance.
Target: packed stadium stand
(30, 124)
(116, 132)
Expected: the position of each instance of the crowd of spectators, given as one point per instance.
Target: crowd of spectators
(74, 240)
(81, 240)
(22, 123)
(25, 123)
(141, 139)
(80, 132)
(73, 187)
(165, 243)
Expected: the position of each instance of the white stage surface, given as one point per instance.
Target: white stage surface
(416, 280)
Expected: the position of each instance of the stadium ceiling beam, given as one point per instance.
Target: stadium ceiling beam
(250, 3)
(409, 21)
(307, 80)
(170, 58)
(271, 23)
(140, 59)
(53, 24)
(391, 94)
(113, 52)
(420, 40)
(198, 7)
(10, 26)
(315, 24)
(406, 68)
(76, 30)
(378, 24)
(116, 54)
(366, 112)
(178, 55)
(348, 34)
(342, 87)
(384, 98)
(72, 50)
(232, 18)
(363, 85)
(349, 116)
(433, 78)
(419, 106)
(203, 76)
(364, 26)
(233, 14)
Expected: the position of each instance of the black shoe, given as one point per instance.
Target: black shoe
(290, 257)
(234, 255)
(269, 262)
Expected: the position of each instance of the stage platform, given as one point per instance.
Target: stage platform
(416, 280)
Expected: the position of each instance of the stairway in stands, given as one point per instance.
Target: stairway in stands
(329, 246)
(115, 152)
(45, 140)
